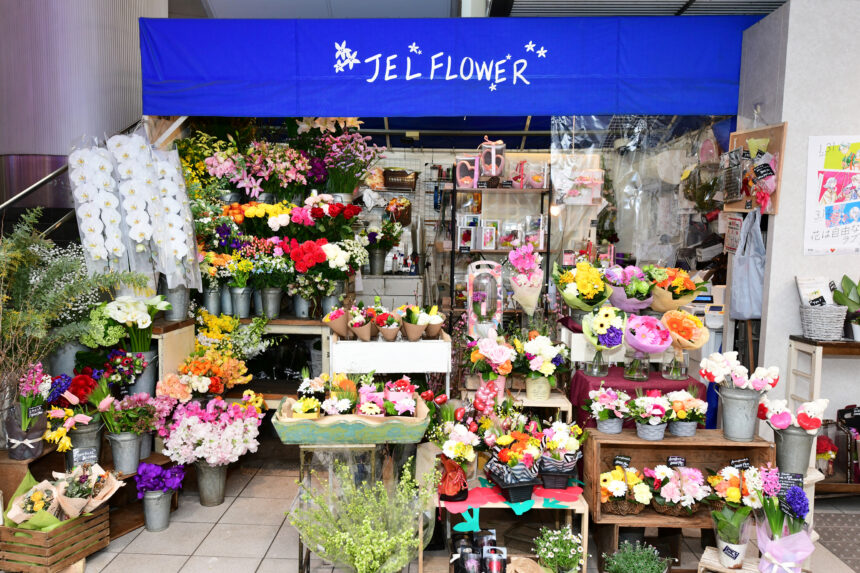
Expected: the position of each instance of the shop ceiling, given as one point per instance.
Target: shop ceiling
(448, 8)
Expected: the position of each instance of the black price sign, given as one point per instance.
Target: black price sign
(676, 462)
(623, 461)
(740, 464)
(465, 249)
(35, 411)
(763, 170)
(856, 411)
(786, 482)
(81, 456)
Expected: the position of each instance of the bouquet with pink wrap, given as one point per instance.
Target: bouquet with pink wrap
(631, 289)
(783, 554)
(528, 282)
(647, 335)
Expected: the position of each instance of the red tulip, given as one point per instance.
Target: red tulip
(459, 413)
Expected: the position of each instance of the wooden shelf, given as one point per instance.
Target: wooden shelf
(650, 518)
(835, 487)
(161, 326)
(289, 321)
(154, 458)
(831, 347)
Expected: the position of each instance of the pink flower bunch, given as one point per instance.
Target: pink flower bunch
(647, 334)
(650, 409)
(222, 165)
(302, 216)
(607, 403)
(164, 406)
(683, 485)
(35, 382)
(495, 353)
(350, 152)
(524, 259)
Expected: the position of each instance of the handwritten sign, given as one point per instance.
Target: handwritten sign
(623, 461)
(676, 462)
(81, 456)
(740, 463)
(35, 411)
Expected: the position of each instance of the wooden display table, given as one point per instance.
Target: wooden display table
(710, 561)
(308, 326)
(707, 449)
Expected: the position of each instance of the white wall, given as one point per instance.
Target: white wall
(819, 97)
(68, 68)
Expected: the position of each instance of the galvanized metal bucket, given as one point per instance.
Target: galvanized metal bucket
(739, 408)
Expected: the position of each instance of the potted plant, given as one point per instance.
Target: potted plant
(731, 528)
(677, 491)
(641, 558)
(782, 534)
(651, 412)
(457, 444)
(211, 436)
(849, 296)
(559, 550)
(609, 408)
(156, 486)
(687, 412)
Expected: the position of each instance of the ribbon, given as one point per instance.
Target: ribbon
(787, 566)
(763, 199)
(13, 443)
(520, 173)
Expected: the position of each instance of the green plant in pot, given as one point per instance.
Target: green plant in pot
(638, 557)
(731, 525)
(559, 550)
(849, 297)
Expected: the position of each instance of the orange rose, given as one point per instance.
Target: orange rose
(505, 369)
(533, 334)
(677, 405)
(476, 355)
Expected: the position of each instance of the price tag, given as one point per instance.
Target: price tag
(856, 411)
(730, 552)
(676, 462)
(740, 463)
(787, 481)
(35, 411)
(623, 461)
(748, 204)
(81, 456)
(465, 249)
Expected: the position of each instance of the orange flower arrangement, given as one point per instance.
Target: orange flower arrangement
(217, 363)
(687, 330)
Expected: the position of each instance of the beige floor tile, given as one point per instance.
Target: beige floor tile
(271, 487)
(178, 539)
(237, 480)
(824, 560)
(133, 563)
(117, 545)
(198, 564)
(285, 545)
(191, 511)
(257, 511)
(229, 540)
(98, 561)
(278, 566)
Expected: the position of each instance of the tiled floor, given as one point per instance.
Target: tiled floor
(249, 533)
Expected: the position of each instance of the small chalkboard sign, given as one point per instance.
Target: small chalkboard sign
(786, 482)
(623, 461)
(82, 456)
(676, 461)
(856, 412)
(740, 464)
(465, 249)
(35, 411)
(730, 552)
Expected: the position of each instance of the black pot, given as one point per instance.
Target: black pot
(29, 444)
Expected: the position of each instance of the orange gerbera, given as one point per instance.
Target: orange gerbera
(505, 369)
(604, 495)
(520, 436)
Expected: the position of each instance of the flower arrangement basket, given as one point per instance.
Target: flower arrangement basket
(823, 322)
(622, 507)
(676, 510)
(52, 551)
(399, 179)
(352, 428)
(717, 504)
(515, 492)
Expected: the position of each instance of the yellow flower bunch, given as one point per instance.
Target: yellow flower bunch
(566, 278)
(216, 327)
(266, 210)
(253, 400)
(589, 282)
(38, 499)
(243, 266)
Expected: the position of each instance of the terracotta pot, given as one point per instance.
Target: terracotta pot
(390, 333)
(362, 332)
(413, 331)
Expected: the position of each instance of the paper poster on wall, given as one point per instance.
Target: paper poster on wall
(833, 196)
(733, 232)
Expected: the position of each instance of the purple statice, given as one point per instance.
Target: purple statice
(612, 338)
(59, 385)
(151, 477)
(797, 501)
(558, 360)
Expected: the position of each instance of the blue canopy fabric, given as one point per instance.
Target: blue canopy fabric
(442, 67)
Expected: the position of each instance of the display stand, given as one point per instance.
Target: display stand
(707, 449)
(556, 401)
(175, 341)
(383, 357)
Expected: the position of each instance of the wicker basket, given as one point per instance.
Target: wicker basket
(676, 510)
(399, 179)
(717, 505)
(621, 507)
(823, 322)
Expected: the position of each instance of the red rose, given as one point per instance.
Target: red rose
(317, 212)
(350, 211)
(335, 209)
(82, 386)
(215, 385)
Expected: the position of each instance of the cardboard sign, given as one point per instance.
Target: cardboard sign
(676, 462)
(81, 456)
(740, 463)
(35, 411)
(623, 461)
(733, 232)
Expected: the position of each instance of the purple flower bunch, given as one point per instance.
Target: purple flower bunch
(612, 338)
(797, 501)
(59, 384)
(317, 172)
(151, 477)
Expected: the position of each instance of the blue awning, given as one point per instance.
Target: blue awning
(442, 67)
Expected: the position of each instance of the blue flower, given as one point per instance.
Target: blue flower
(797, 501)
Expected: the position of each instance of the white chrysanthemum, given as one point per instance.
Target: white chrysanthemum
(115, 247)
(89, 211)
(664, 472)
(85, 192)
(140, 233)
(133, 205)
(111, 218)
(617, 488)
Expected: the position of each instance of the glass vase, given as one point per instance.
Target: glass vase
(636, 366)
(675, 365)
(597, 367)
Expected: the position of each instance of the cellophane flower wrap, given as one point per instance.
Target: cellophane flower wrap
(677, 486)
(673, 288)
(646, 334)
(561, 444)
(607, 403)
(604, 327)
(516, 453)
(218, 433)
(631, 289)
(783, 535)
(528, 282)
(582, 287)
(779, 417)
(687, 330)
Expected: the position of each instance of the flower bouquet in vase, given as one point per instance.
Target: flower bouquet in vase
(739, 392)
(783, 535)
(673, 288)
(687, 412)
(688, 333)
(528, 282)
(623, 491)
(608, 407)
(582, 288)
(651, 412)
(604, 328)
(644, 335)
(631, 289)
(677, 491)
(561, 444)
(793, 434)
(399, 389)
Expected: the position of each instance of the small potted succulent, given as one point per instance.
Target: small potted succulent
(641, 558)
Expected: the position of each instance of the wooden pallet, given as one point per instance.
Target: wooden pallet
(50, 552)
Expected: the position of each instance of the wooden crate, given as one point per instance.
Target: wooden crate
(50, 552)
